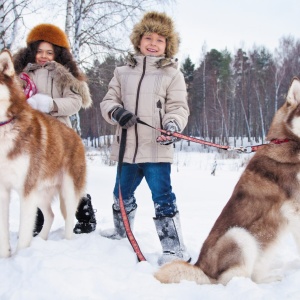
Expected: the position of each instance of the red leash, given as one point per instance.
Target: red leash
(128, 230)
(126, 223)
(247, 149)
(185, 137)
(192, 139)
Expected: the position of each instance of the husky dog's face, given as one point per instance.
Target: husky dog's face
(6, 73)
(12, 97)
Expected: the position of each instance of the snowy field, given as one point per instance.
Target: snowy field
(93, 267)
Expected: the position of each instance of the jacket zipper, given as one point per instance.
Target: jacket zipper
(52, 88)
(136, 109)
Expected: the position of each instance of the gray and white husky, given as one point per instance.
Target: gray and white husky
(265, 204)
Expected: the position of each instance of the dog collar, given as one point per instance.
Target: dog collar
(278, 141)
(6, 122)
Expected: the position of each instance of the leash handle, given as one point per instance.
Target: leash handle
(192, 139)
(185, 137)
(247, 149)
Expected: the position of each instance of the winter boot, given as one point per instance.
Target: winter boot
(119, 231)
(169, 233)
(85, 215)
(39, 222)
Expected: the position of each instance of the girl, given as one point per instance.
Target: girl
(55, 85)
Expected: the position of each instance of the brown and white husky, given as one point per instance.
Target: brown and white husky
(264, 205)
(39, 158)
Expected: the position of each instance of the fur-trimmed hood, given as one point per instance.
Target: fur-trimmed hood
(160, 23)
(160, 63)
(63, 78)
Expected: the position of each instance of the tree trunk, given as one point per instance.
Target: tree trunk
(2, 31)
(79, 6)
(68, 24)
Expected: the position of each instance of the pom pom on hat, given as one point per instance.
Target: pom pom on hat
(48, 33)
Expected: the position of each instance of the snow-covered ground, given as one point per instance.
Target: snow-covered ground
(93, 267)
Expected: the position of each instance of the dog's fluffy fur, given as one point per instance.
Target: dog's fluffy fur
(39, 158)
(264, 205)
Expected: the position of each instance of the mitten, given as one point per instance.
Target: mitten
(124, 117)
(41, 102)
(29, 87)
(171, 127)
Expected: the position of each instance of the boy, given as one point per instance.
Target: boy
(149, 87)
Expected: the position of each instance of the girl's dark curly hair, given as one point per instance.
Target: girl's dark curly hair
(61, 55)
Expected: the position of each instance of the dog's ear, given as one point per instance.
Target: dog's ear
(293, 95)
(6, 64)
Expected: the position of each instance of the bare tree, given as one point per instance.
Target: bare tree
(80, 15)
(11, 12)
(287, 63)
(260, 109)
(100, 27)
(278, 78)
(2, 29)
(69, 20)
(205, 126)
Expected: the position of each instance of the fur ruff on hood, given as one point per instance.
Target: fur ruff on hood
(160, 23)
(63, 78)
(161, 63)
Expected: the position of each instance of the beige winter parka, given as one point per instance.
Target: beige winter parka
(153, 89)
(67, 92)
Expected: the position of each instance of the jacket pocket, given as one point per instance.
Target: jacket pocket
(159, 106)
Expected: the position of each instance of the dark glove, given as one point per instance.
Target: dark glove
(171, 127)
(124, 117)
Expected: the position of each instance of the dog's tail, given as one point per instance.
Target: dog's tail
(176, 271)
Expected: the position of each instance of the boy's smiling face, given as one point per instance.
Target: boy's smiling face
(153, 44)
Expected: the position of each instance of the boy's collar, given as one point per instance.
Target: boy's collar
(161, 61)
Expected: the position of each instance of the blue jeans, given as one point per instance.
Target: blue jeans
(158, 179)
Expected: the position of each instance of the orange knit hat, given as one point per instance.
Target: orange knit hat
(48, 33)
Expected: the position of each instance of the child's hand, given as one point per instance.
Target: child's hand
(41, 102)
(124, 117)
(164, 139)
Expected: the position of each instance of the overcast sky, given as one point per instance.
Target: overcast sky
(234, 23)
(222, 24)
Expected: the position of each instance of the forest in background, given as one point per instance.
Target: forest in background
(229, 94)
